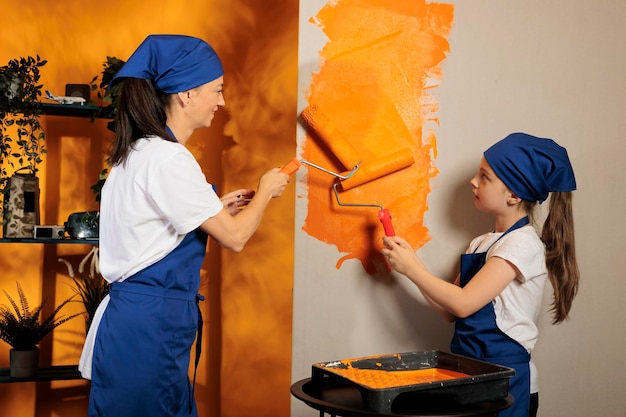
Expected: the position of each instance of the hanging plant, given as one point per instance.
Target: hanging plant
(106, 95)
(107, 101)
(22, 139)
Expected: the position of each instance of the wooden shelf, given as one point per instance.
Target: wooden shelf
(52, 373)
(49, 241)
(67, 110)
(70, 110)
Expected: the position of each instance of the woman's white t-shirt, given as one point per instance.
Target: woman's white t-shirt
(149, 204)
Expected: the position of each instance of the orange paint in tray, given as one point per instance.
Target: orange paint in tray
(380, 379)
(377, 70)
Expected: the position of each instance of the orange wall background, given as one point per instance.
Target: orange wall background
(247, 346)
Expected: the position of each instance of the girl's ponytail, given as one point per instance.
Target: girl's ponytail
(558, 236)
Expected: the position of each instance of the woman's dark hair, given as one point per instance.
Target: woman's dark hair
(140, 113)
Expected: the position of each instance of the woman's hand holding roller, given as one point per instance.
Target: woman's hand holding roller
(273, 182)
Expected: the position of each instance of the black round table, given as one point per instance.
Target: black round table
(345, 401)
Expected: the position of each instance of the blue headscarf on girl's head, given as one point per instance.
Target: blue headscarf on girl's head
(174, 63)
(531, 167)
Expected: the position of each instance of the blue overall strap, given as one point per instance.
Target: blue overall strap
(478, 335)
(139, 288)
(198, 349)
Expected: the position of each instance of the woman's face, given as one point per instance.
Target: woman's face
(204, 101)
(490, 193)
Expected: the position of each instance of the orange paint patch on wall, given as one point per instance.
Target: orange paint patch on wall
(376, 70)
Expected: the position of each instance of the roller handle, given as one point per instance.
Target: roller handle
(291, 167)
(385, 218)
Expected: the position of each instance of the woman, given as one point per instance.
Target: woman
(157, 211)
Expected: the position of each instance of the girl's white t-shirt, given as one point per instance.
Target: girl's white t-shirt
(518, 306)
(148, 206)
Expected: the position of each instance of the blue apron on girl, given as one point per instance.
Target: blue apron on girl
(148, 327)
(478, 336)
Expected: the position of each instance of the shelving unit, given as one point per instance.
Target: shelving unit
(59, 372)
(65, 110)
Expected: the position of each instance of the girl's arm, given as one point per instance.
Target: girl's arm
(492, 278)
(440, 309)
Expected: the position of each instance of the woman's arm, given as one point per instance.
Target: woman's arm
(233, 231)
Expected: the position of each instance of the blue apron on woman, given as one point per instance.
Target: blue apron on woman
(478, 336)
(142, 348)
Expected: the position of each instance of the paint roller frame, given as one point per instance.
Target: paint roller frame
(295, 164)
(383, 214)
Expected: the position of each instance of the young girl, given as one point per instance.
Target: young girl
(496, 299)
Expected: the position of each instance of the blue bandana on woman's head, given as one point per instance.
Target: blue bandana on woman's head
(174, 63)
(531, 167)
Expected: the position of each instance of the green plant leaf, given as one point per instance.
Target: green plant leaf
(21, 327)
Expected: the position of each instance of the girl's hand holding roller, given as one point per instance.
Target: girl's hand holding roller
(400, 255)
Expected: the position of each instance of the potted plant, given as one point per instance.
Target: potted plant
(107, 96)
(23, 330)
(22, 140)
(90, 286)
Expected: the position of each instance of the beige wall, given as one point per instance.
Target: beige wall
(550, 68)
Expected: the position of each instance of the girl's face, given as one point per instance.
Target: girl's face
(490, 193)
(204, 101)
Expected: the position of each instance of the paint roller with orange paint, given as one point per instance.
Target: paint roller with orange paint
(328, 133)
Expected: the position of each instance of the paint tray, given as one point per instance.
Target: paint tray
(429, 377)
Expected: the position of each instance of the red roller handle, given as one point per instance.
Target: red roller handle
(291, 167)
(385, 218)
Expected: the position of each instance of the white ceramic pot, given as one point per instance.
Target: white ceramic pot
(24, 363)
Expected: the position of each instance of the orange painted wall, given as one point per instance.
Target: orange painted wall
(376, 71)
(247, 346)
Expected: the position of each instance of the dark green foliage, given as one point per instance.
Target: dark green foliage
(91, 291)
(20, 108)
(22, 328)
(107, 96)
